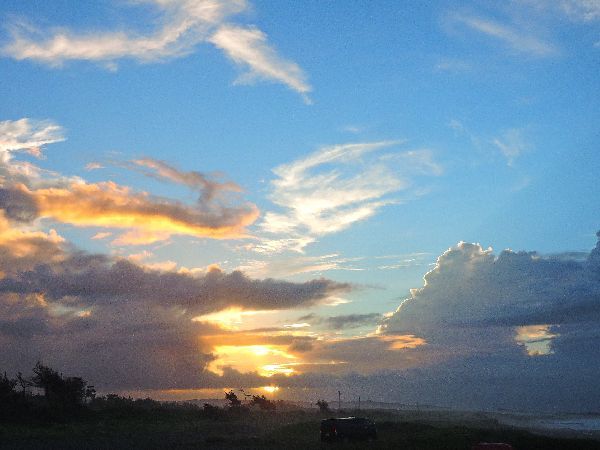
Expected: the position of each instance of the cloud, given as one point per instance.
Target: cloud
(102, 235)
(206, 184)
(576, 10)
(342, 321)
(333, 188)
(512, 144)
(29, 192)
(471, 287)
(351, 320)
(182, 25)
(17, 205)
(28, 135)
(88, 280)
(584, 10)
(248, 47)
(93, 166)
(516, 306)
(453, 65)
(285, 267)
(517, 39)
(152, 218)
(118, 323)
(25, 136)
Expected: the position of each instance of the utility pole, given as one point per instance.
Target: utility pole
(359, 402)
(339, 401)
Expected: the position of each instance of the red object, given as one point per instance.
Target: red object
(492, 446)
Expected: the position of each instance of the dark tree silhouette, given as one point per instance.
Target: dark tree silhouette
(64, 393)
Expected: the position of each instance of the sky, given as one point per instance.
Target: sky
(397, 200)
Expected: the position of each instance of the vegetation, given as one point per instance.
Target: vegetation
(47, 410)
(323, 406)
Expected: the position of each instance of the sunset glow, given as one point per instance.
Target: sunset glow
(270, 389)
(267, 360)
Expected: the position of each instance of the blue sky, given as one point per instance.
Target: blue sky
(452, 121)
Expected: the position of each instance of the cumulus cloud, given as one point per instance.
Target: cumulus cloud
(514, 330)
(335, 187)
(471, 287)
(182, 25)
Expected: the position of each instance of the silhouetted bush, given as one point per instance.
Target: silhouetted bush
(262, 402)
(234, 401)
(212, 412)
(323, 406)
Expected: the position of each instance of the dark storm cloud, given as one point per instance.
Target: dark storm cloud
(342, 321)
(351, 320)
(96, 279)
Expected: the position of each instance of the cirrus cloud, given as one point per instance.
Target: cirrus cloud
(183, 25)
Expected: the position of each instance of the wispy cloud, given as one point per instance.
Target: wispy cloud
(248, 47)
(93, 166)
(452, 65)
(28, 135)
(333, 188)
(512, 144)
(208, 185)
(25, 136)
(285, 267)
(183, 24)
(577, 10)
(516, 38)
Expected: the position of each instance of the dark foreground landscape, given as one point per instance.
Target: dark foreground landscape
(153, 425)
(48, 410)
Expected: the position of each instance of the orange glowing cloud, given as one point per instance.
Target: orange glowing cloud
(401, 342)
(147, 218)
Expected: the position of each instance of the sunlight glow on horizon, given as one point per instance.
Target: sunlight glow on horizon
(270, 389)
(267, 360)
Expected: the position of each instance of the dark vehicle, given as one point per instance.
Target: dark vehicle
(347, 428)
